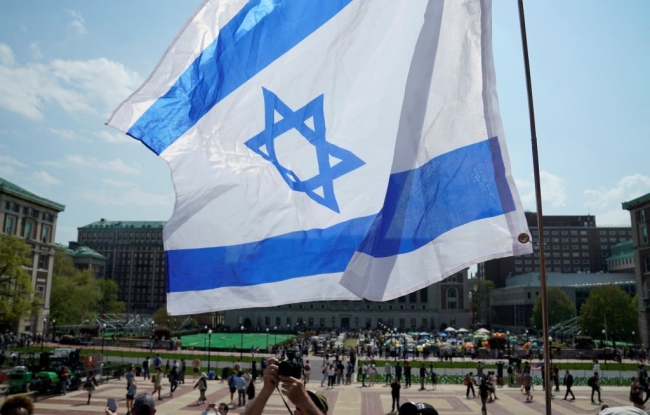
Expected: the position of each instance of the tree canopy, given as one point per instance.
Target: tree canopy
(560, 308)
(610, 306)
(16, 290)
(77, 294)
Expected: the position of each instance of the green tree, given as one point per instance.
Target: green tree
(610, 306)
(560, 308)
(16, 292)
(163, 319)
(75, 293)
(480, 302)
(109, 302)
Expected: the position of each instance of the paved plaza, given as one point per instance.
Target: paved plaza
(343, 400)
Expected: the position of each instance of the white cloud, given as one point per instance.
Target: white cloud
(117, 165)
(9, 161)
(130, 197)
(36, 51)
(119, 183)
(6, 55)
(65, 134)
(45, 178)
(7, 171)
(92, 86)
(553, 191)
(78, 24)
(605, 203)
(113, 137)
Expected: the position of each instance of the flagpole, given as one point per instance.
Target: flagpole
(540, 222)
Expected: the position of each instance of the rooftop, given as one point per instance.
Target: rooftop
(107, 224)
(80, 252)
(15, 190)
(637, 202)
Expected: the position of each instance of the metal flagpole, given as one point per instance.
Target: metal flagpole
(540, 223)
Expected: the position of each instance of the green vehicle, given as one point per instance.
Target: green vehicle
(20, 380)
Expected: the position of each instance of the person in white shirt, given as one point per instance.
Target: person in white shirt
(388, 371)
(596, 367)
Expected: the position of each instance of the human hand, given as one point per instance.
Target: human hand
(271, 377)
(295, 391)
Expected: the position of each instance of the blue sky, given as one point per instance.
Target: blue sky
(65, 65)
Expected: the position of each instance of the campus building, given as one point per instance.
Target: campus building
(573, 244)
(439, 305)
(85, 258)
(512, 305)
(639, 209)
(135, 260)
(33, 218)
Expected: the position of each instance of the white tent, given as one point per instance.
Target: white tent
(462, 330)
(450, 329)
(483, 331)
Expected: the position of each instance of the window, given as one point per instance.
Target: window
(647, 264)
(45, 234)
(289, 322)
(48, 217)
(12, 206)
(424, 295)
(43, 261)
(413, 323)
(413, 297)
(452, 299)
(402, 322)
(641, 215)
(27, 230)
(10, 222)
(644, 235)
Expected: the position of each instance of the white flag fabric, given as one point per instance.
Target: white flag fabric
(327, 150)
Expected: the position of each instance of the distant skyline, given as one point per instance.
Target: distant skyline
(66, 65)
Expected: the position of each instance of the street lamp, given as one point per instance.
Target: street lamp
(275, 335)
(103, 328)
(209, 347)
(43, 332)
(508, 341)
(241, 345)
(267, 339)
(632, 338)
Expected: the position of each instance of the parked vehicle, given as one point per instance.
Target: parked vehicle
(20, 379)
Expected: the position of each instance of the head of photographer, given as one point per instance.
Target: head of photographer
(286, 377)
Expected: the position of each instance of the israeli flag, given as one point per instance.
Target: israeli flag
(327, 150)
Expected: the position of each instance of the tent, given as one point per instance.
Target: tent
(462, 330)
(483, 331)
(468, 345)
(450, 329)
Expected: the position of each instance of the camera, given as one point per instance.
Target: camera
(288, 368)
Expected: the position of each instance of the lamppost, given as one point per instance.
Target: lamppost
(43, 332)
(508, 341)
(209, 347)
(632, 339)
(53, 328)
(103, 328)
(275, 335)
(241, 345)
(267, 339)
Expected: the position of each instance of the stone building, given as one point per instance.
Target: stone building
(33, 218)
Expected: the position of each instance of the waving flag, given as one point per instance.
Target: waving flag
(327, 150)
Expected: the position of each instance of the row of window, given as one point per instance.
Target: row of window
(28, 230)
(554, 269)
(29, 211)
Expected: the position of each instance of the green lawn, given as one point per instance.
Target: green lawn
(234, 340)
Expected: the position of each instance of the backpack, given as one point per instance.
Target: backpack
(591, 382)
(307, 368)
(467, 381)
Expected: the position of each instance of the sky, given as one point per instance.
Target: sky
(65, 66)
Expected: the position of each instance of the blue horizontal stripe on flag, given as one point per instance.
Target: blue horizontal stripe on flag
(261, 32)
(450, 190)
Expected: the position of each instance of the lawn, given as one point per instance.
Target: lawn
(234, 340)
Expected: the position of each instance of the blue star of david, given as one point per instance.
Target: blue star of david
(323, 182)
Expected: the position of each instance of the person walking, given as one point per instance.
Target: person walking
(181, 372)
(407, 374)
(568, 382)
(594, 383)
(156, 379)
(394, 393)
(145, 368)
(388, 373)
(331, 376)
(484, 392)
(423, 376)
(470, 385)
(89, 385)
(556, 378)
(306, 370)
(196, 367)
(241, 389)
(202, 384)
(528, 384)
(173, 380)
(398, 372)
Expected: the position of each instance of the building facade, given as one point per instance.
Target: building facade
(443, 303)
(135, 260)
(33, 218)
(85, 258)
(574, 244)
(639, 209)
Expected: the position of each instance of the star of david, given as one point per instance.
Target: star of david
(309, 121)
